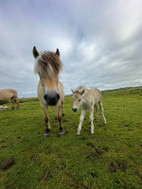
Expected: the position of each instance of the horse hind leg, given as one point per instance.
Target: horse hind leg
(102, 110)
(96, 108)
(17, 102)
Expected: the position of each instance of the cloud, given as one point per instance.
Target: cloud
(99, 42)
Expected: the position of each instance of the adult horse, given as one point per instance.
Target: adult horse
(50, 89)
(9, 94)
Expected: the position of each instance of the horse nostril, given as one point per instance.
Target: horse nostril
(45, 97)
(58, 96)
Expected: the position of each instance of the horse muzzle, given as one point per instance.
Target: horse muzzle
(52, 99)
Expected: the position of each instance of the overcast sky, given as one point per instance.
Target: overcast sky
(100, 42)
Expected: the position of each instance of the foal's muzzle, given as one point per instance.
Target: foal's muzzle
(74, 109)
(52, 99)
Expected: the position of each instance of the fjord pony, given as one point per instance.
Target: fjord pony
(9, 94)
(50, 89)
(88, 99)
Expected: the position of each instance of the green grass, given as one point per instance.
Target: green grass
(111, 158)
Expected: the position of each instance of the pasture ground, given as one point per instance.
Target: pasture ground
(111, 158)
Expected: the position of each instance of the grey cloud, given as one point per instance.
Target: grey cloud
(99, 41)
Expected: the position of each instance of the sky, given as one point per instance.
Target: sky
(100, 42)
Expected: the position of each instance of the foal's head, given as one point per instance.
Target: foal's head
(48, 66)
(77, 97)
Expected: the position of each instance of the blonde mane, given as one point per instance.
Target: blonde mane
(48, 63)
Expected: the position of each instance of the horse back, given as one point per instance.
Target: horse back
(6, 94)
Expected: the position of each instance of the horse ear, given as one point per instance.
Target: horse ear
(72, 90)
(35, 52)
(58, 52)
(82, 92)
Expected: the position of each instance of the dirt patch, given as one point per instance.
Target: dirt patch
(2, 141)
(91, 145)
(82, 138)
(112, 167)
(117, 165)
(47, 176)
(64, 121)
(126, 125)
(106, 149)
(100, 125)
(7, 164)
(98, 152)
(3, 146)
(122, 166)
(93, 174)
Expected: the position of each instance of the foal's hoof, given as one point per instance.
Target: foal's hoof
(77, 134)
(46, 135)
(61, 134)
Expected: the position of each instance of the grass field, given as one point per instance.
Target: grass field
(111, 158)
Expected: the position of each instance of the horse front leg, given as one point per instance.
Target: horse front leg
(81, 121)
(12, 101)
(58, 108)
(47, 123)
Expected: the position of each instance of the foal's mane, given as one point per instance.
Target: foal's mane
(48, 63)
(79, 89)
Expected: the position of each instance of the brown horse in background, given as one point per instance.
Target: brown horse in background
(9, 94)
(50, 89)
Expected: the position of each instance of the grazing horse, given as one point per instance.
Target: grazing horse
(88, 99)
(50, 90)
(9, 94)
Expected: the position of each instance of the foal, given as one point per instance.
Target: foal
(88, 99)
(50, 89)
(9, 94)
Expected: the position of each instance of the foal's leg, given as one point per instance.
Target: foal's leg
(81, 121)
(47, 123)
(102, 110)
(58, 106)
(91, 119)
(96, 107)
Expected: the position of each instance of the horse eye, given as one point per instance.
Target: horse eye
(79, 100)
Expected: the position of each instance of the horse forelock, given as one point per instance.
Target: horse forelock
(48, 63)
(79, 89)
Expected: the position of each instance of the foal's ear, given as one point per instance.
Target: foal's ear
(72, 90)
(35, 52)
(82, 92)
(58, 52)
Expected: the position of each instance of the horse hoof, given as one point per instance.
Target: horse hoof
(61, 134)
(46, 135)
(77, 135)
